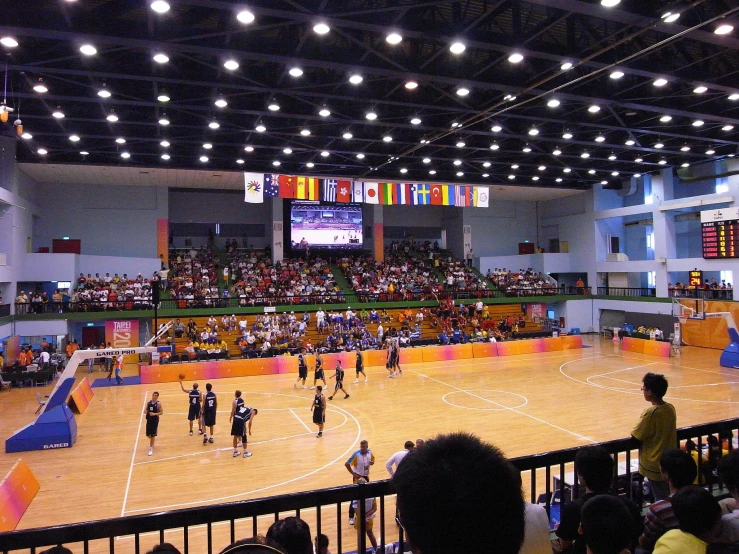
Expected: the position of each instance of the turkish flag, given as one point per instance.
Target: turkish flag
(344, 191)
(287, 186)
(436, 196)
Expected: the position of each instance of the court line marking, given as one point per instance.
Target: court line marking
(526, 401)
(301, 421)
(614, 379)
(352, 447)
(625, 369)
(133, 456)
(583, 437)
(253, 443)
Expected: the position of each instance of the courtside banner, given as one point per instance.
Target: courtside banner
(123, 334)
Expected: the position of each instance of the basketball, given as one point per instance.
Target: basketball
(182, 376)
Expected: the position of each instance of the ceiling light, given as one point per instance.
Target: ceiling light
(371, 116)
(360, 156)
(600, 138)
(125, 155)
(614, 174)
(710, 152)
(163, 98)
(535, 178)
(558, 179)
(662, 162)
(604, 183)
(463, 91)
(610, 3)
(686, 164)
(347, 136)
(486, 164)
(42, 151)
(260, 128)
(393, 38)
(567, 135)
(221, 103)
(638, 160)
(321, 28)
(356, 79)
(584, 155)
(457, 48)
(203, 159)
(685, 148)
(207, 146)
(287, 150)
(567, 170)
(612, 157)
(415, 121)
(161, 58)
(248, 149)
(734, 97)
(164, 144)
(496, 129)
(511, 177)
(58, 113)
(616, 75)
(659, 145)
(10, 42)
(515, 58)
(273, 107)
(565, 66)
(160, 6)
(455, 125)
(112, 117)
(40, 87)
(120, 140)
(245, 17)
(700, 90)
(324, 112)
(457, 162)
(411, 85)
(514, 166)
(630, 142)
(591, 171)
(305, 132)
(460, 174)
(553, 103)
(698, 123)
(88, 50)
(231, 65)
(594, 109)
(660, 82)
(669, 17)
(27, 136)
(84, 153)
(542, 168)
(387, 138)
(460, 144)
(557, 152)
(310, 164)
(533, 131)
(325, 154)
(526, 149)
(74, 138)
(665, 118)
(727, 128)
(165, 156)
(295, 72)
(494, 146)
(486, 174)
(214, 125)
(432, 172)
(403, 170)
(164, 121)
(637, 175)
(277, 163)
(724, 29)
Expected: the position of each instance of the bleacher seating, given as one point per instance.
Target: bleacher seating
(521, 283)
(193, 278)
(395, 279)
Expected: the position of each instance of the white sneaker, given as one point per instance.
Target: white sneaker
(303, 387)
(247, 454)
(392, 376)
(351, 521)
(151, 451)
(312, 388)
(236, 454)
(238, 444)
(356, 381)
(365, 379)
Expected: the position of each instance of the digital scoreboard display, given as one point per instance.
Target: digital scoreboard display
(720, 233)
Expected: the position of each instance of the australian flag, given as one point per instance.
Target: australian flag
(271, 185)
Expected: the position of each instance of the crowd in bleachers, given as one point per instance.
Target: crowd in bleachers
(460, 277)
(522, 282)
(193, 277)
(399, 277)
(712, 290)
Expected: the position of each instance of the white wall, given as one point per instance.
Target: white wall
(34, 328)
(6, 330)
(116, 264)
(585, 313)
(49, 267)
(544, 263)
(219, 206)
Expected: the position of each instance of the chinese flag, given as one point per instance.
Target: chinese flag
(436, 195)
(287, 186)
(344, 191)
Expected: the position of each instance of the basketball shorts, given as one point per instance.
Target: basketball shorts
(238, 428)
(152, 424)
(193, 413)
(209, 418)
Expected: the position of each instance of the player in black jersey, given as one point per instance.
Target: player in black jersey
(318, 407)
(318, 374)
(195, 399)
(360, 366)
(302, 369)
(210, 407)
(393, 359)
(339, 376)
(152, 412)
(240, 415)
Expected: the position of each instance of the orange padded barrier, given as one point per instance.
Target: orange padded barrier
(552, 344)
(571, 342)
(17, 490)
(642, 346)
(444, 353)
(484, 349)
(81, 396)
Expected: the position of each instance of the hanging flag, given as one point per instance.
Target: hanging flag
(436, 195)
(470, 194)
(386, 193)
(254, 188)
(358, 191)
(482, 197)
(330, 187)
(371, 193)
(301, 193)
(343, 191)
(287, 186)
(412, 199)
(447, 195)
(423, 192)
(400, 193)
(271, 185)
(460, 198)
(306, 188)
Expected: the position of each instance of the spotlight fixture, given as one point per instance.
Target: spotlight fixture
(515, 58)
(204, 159)
(553, 103)
(40, 87)
(163, 97)
(161, 58)
(325, 112)
(231, 65)
(387, 138)
(594, 108)
(566, 66)
(164, 144)
(221, 102)
(260, 128)
(670, 17)
(494, 146)
(457, 48)
(463, 91)
(58, 113)
(665, 118)
(112, 116)
(371, 116)
(416, 121)
(163, 120)
(411, 85)
(567, 135)
(700, 90)
(609, 3)
(160, 6)
(125, 155)
(630, 142)
(295, 72)
(321, 28)
(214, 125)
(724, 29)
(356, 79)
(496, 128)
(245, 17)
(104, 92)
(616, 75)
(74, 138)
(310, 165)
(88, 50)
(120, 140)
(9, 42)
(305, 132)
(698, 123)
(660, 82)
(347, 136)
(393, 38)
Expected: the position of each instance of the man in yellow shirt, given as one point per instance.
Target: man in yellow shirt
(699, 514)
(656, 432)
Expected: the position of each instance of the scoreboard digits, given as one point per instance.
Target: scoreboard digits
(720, 233)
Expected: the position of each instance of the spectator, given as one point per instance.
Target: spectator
(680, 471)
(459, 494)
(321, 544)
(255, 545)
(536, 537)
(699, 517)
(606, 525)
(656, 432)
(728, 470)
(370, 512)
(293, 534)
(396, 458)
(164, 548)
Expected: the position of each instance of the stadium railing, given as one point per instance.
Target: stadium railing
(556, 468)
(706, 294)
(626, 291)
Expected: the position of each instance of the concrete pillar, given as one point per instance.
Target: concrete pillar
(378, 233)
(276, 232)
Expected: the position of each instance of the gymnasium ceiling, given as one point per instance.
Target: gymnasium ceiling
(642, 93)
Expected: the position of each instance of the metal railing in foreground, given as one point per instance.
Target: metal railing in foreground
(549, 479)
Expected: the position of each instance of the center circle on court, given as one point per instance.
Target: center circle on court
(485, 400)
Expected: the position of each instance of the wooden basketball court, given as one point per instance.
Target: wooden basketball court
(523, 404)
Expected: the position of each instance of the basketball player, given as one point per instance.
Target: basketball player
(395, 359)
(240, 415)
(318, 374)
(302, 369)
(318, 407)
(210, 407)
(360, 366)
(196, 402)
(339, 376)
(152, 412)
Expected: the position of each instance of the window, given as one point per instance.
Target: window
(64, 285)
(650, 240)
(652, 278)
(722, 188)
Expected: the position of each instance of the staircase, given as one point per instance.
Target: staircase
(342, 282)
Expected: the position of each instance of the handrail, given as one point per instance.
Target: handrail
(333, 497)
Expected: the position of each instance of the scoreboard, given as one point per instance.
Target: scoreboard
(720, 231)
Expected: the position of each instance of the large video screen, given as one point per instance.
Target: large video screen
(322, 225)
